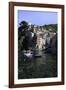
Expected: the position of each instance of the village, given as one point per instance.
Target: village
(44, 36)
(40, 38)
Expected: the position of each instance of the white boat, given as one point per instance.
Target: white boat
(28, 53)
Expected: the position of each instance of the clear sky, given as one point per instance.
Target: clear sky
(37, 17)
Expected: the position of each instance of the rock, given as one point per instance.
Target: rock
(52, 46)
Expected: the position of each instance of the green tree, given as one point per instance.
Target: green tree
(24, 25)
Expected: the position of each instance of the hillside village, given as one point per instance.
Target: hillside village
(46, 39)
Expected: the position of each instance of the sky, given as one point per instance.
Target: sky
(37, 17)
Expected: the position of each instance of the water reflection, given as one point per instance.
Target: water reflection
(42, 66)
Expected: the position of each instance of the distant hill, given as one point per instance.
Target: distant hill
(51, 26)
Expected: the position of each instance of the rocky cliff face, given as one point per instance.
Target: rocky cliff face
(52, 46)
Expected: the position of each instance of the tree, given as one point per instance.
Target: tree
(21, 30)
(24, 25)
(21, 33)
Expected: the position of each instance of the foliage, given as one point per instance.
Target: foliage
(51, 26)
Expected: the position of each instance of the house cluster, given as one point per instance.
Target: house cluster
(43, 36)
